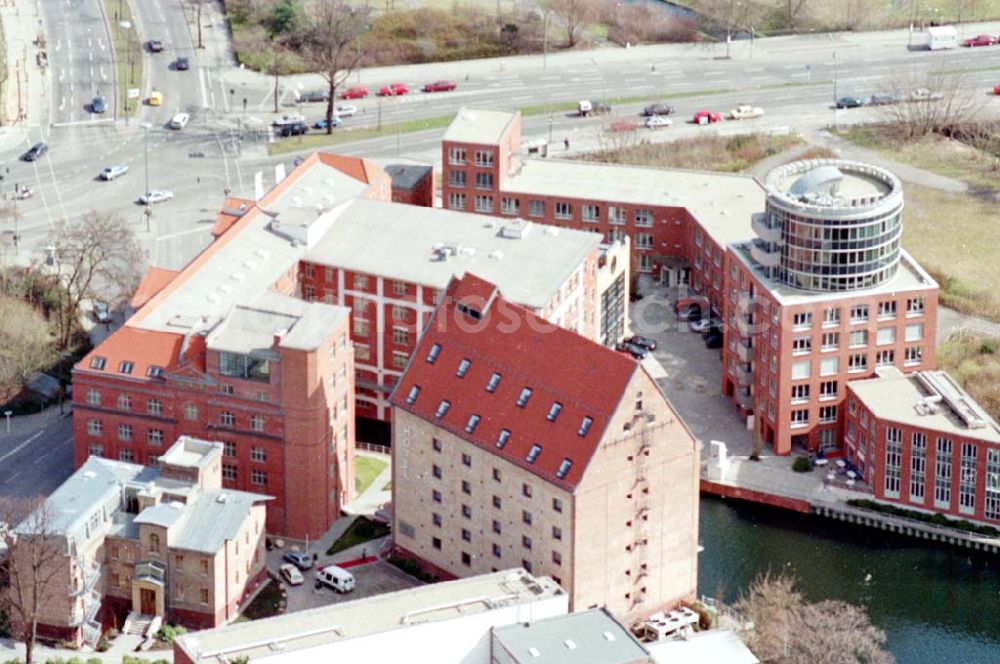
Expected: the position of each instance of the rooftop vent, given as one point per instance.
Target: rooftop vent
(608, 636)
(818, 184)
(515, 230)
(89, 474)
(534, 652)
(496, 255)
(570, 644)
(221, 498)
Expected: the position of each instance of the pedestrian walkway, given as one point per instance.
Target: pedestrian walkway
(9, 650)
(374, 496)
(25, 102)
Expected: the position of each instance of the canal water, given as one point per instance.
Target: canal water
(936, 604)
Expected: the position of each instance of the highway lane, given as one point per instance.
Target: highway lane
(35, 463)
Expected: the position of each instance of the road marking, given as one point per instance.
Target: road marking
(201, 82)
(91, 56)
(189, 231)
(23, 444)
(62, 74)
(62, 104)
(92, 73)
(58, 45)
(104, 74)
(100, 43)
(90, 42)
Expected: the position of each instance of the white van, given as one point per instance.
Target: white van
(941, 37)
(179, 121)
(337, 578)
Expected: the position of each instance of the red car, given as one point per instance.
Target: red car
(440, 86)
(393, 90)
(996, 90)
(356, 92)
(981, 40)
(706, 117)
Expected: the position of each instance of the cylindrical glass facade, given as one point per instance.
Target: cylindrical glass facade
(840, 224)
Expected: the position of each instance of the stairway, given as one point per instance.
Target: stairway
(136, 624)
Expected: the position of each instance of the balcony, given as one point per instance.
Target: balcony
(151, 571)
(90, 572)
(744, 400)
(746, 325)
(758, 222)
(91, 633)
(744, 351)
(744, 376)
(764, 253)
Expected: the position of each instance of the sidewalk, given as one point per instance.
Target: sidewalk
(25, 101)
(373, 497)
(9, 651)
(26, 424)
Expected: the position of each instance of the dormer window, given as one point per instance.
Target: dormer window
(554, 411)
(412, 396)
(463, 368)
(584, 426)
(98, 362)
(474, 314)
(125, 367)
(432, 355)
(503, 438)
(442, 408)
(564, 468)
(494, 382)
(472, 423)
(154, 371)
(533, 453)
(522, 400)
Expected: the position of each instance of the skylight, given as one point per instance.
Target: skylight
(412, 396)
(463, 368)
(533, 454)
(564, 468)
(522, 400)
(494, 382)
(442, 408)
(433, 353)
(554, 411)
(472, 423)
(584, 426)
(503, 438)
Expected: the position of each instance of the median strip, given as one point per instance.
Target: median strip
(127, 53)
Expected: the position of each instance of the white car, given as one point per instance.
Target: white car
(179, 121)
(925, 94)
(112, 172)
(657, 121)
(290, 119)
(292, 575)
(746, 112)
(156, 196)
(345, 110)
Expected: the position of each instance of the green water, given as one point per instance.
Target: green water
(935, 603)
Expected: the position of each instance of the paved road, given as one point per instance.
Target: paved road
(36, 462)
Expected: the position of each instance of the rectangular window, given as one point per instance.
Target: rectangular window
(228, 472)
(859, 338)
(885, 358)
(502, 438)
(526, 542)
(554, 411)
(125, 432)
(828, 389)
(617, 216)
(831, 340)
(802, 320)
(95, 427)
(436, 471)
(510, 206)
(915, 306)
(401, 336)
(466, 535)
(526, 517)
(436, 495)
(258, 477)
(154, 437)
(258, 454)
(644, 218)
(494, 381)
(522, 399)
(800, 393)
(887, 309)
(456, 156)
(93, 397)
(360, 327)
(484, 157)
(831, 316)
(800, 369)
(857, 362)
(399, 359)
(484, 204)
(466, 461)
(533, 453)
(914, 332)
(801, 345)
(942, 473)
(885, 335)
(456, 201)
(557, 504)
(643, 240)
(828, 414)
(893, 461)
(585, 425)
(913, 355)
(859, 313)
(918, 467)
(466, 511)
(526, 490)
(436, 519)
(800, 417)
(991, 502)
(591, 213)
(484, 181)
(536, 208)
(967, 478)
(564, 210)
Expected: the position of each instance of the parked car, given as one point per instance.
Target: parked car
(623, 124)
(703, 325)
(706, 117)
(883, 98)
(345, 110)
(996, 89)
(35, 151)
(300, 559)
(658, 109)
(713, 340)
(314, 96)
(155, 46)
(355, 92)
(294, 129)
(179, 121)
(98, 105)
(850, 102)
(586, 107)
(292, 575)
(440, 86)
(321, 123)
(657, 121)
(156, 196)
(102, 313)
(337, 578)
(642, 342)
(112, 172)
(290, 119)
(689, 308)
(925, 94)
(980, 40)
(746, 112)
(182, 64)
(638, 352)
(393, 90)
(155, 98)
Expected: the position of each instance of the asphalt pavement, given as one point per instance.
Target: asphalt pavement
(37, 455)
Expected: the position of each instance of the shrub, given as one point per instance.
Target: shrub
(412, 568)
(937, 519)
(802, 464)
(103, 644)
(167, 633)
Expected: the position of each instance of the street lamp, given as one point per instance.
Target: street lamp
(145, 157)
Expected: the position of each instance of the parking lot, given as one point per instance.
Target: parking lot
(691, 373)
(371, 579)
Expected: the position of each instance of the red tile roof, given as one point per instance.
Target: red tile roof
(226, 217)
(155, 280)
(559, 366)
(143, 348)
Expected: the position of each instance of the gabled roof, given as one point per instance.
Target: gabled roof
(232, 209)
(557, 365)
(155, 280)
(142, 348)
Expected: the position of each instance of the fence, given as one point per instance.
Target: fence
(736, 619)
(373, 447)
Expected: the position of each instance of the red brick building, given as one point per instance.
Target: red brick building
(517, 442)
(921, 441)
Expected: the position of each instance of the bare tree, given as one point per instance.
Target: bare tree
(793, 9)
(198, 4)
(930, 102)
(789, 630)
(26, 344)
(575, 15)
(280, 64)
(35, 557)
(331, 44)
(97, 257)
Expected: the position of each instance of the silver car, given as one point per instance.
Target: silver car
(156, 196)
(112, 172)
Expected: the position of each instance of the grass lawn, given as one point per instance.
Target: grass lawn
(388, 486)
(366, 469)
(361, 531)
(126, 47)
(267, 603)
(974, 360)
(319, 140)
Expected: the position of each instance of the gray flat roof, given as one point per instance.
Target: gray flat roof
(216, 516)
(715, 645)
(291, 634)
(478, 126)
(589, 637)
(909, 276)
(402, 241)
(162, 514)
(895, 396)
(721, 202)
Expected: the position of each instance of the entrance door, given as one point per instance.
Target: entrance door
(147, 602)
